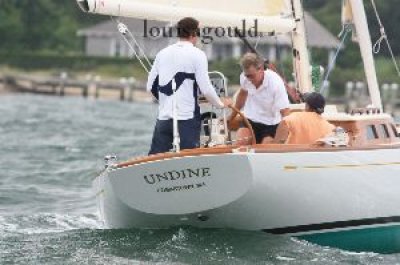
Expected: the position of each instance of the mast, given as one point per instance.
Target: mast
(301, 61)
(364, 40)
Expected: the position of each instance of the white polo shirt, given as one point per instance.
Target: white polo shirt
(189, 67)
(263, 105)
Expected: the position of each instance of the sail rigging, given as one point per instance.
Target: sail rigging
(271, 16)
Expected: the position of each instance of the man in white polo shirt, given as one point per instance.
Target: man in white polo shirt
(188, 66)
(264, 98)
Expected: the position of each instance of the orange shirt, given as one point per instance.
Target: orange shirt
(306, 127)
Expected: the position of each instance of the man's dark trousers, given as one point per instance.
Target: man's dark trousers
(189, 132)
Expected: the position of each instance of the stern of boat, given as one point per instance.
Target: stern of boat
(172, 187)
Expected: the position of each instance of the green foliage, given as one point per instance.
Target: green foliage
(52, 24)
(349, 64)
(114, 67)
(11, 28)
(230, 68)
(386, 70)
(27, 25)
(328, 13)
(41, 34)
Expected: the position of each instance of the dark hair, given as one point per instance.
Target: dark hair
(187, 27)
(315, 101)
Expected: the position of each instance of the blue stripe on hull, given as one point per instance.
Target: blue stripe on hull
(383, 239)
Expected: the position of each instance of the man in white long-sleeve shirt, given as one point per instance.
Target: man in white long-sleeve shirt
(188, 66)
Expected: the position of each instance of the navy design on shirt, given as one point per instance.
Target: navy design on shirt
(179, 77)
(154, 88)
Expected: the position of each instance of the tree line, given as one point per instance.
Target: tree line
(52, 24)
(40, 25)
(328, 13)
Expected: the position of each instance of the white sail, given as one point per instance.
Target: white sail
(271, 15)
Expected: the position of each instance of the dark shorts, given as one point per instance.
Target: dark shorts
(163, 136)
(262, 130)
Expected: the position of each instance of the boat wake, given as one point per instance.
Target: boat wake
(44, 238)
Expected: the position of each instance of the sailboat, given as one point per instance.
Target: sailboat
(343, 192)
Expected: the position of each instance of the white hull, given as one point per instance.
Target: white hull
(293, 192)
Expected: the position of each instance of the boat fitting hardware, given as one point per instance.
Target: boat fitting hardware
(109, 160)
(202, 218)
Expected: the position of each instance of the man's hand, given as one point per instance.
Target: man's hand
(227, 102)
(285, 112)
(282, 133)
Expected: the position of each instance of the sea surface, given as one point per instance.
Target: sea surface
(50, 150)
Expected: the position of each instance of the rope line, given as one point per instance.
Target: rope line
(140, 48)
(343, 34)
(258, 40)
(377, 46)
(123, 29)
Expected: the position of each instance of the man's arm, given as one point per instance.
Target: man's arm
(282, 133)
(285, 112)
(204, 83)
(239, 103)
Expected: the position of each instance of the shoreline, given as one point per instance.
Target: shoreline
(4, 91)
(136, 95)
(48, 85)
(108, 94)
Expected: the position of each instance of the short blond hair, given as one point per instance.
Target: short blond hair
(251, 59)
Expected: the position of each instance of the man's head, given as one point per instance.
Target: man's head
(253, 68)
(314, 102)
(188, 29)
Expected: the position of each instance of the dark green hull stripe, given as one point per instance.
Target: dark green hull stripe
(383, 239)
(333, 225)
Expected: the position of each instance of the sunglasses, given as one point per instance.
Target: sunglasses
(253, 75)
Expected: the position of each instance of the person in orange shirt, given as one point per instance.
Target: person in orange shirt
(305, 127)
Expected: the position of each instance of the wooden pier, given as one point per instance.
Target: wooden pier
(126, 89)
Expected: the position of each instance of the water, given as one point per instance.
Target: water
(51, 148)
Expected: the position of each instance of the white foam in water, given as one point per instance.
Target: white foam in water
(180, 236)
(4, 226)
(362, 253)
(281, 258)
(47, 223)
